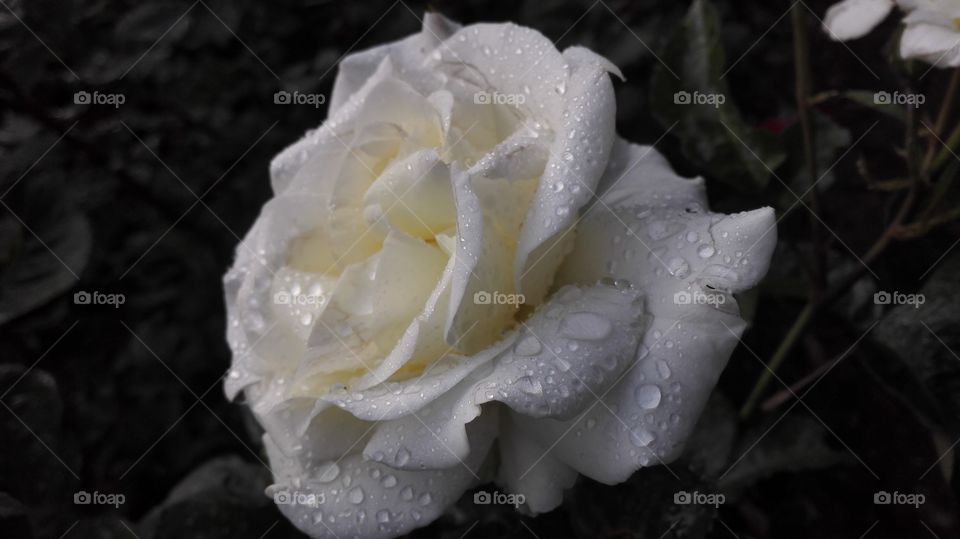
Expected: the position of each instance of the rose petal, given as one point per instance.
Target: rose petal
(647, 416)
(395, 399)
(483, 259)
(297, 424)
(528, 468)
(433, 437)
(355, 497)
(652, 230)
(584, 137)
(414, 196)
(355, 69)
(570, 350)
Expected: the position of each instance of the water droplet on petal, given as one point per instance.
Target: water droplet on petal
(403, 456)
(641, 437)
(648, 396)
(329, 473)
(528, 346)
(663, 369)
(585, 326)
(356, 496)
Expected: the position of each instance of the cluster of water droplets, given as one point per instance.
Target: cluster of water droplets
(359, 496)
(569, 349)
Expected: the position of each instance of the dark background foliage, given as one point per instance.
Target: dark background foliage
(148, 200)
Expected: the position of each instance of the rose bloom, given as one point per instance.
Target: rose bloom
(465, 276)
(932, 32)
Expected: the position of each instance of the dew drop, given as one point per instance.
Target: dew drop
(403, 456)
(678, 267)
(663, 369)
(329, 473)
(641, 437)
(585, 326)
(529, 346)
(648, 396)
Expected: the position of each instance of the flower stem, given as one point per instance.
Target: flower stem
(806, 315)
(796, 330)
(945, 108)
(803, 85)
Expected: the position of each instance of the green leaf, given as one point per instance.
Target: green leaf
(44, 247)
(797, 443)
(689, 90)
(925, 340)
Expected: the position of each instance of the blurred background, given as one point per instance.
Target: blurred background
(134, 144)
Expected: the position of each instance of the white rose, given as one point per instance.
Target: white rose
(932, 32)
(429, 280)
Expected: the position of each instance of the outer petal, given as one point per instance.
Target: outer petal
(934, 44)
(528, 468)
(583, 140)
(648, 415)
(393, 400)
(355, 69)
(252, 329)
(353, 497)
(852, 19)
(358, 74)
(652, 231)
(434, 437)
(572, 348)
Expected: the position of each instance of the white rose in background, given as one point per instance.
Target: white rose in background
(435, 275)
(932, 32)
